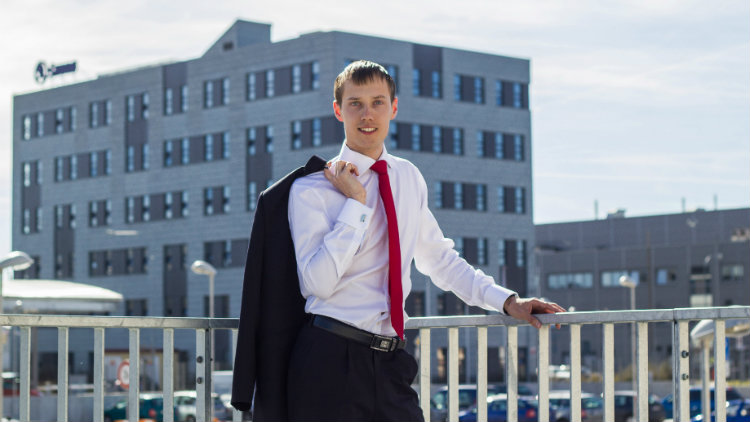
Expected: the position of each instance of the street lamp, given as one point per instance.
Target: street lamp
(626, 281)
(16, 261)
(204, 268)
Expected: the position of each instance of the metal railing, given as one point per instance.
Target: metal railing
(679, 318)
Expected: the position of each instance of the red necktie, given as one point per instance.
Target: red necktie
(394, 249)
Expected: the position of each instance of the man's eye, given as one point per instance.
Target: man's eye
(378, 102)
(354, 103)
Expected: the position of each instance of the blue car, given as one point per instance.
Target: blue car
(695, 401)
(737, 411)
(497, 410)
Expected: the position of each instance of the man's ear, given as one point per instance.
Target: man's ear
(337, 111)
(395, 108)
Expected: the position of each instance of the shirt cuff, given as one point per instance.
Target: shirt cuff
(356, 214)
(497, 296)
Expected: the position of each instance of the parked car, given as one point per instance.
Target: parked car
(497, 410)
(737, 411)
(150, 406)
(591, 406)
(185, 407)
(695, 400)
(467, 397)
(624, 407)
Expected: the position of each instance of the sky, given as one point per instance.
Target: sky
(635, 104)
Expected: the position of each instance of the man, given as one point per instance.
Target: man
(356, 229)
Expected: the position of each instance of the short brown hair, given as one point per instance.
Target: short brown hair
(361, 72)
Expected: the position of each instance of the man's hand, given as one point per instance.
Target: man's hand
(343, 176)
(524, 308)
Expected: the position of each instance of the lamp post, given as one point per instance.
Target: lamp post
(626, 281)
(16, 261)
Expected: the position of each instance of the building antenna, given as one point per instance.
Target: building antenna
(596, 209)
(683, 204)
(716, 202)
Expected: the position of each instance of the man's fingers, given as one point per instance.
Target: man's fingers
(533, 321)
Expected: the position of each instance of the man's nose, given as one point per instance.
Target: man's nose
(366, 113)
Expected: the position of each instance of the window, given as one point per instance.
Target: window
(93, 115)
(251, 141)
(612, 278)
(93, 214)
(665, 276)
(168, 101)
(482, 251)
(457, 87)
(315, 75)
(208, 147)
(481, 197)
(73, 167)
(317, 136)
(570, 280)
(517, 100)
(225, 199)
(59, 121)
(93, 164)
(130, 159)
(480, 144)
(459, 246)
(185, 151)
(58, 216)
(108, 112)
(250, 94)
(437, 145)
(521, 253)
(130, 107)
(183, 98)
(208, 94)
(499, 146)
(39, 219)
(416, 81)
(393, 72)
(72, 218)
(58, 169)
(38, 172)
(144, 156)
(436, 91)
(501, 252)
(416, 134)
(26, 221)
(458, 196)
(269, 139)
(479, 90)
(296, 134)
(208, 201)
(26, 127)
(40, 124)
(108, 212)
(520, 208)
(168, 148)
(168, 201)
(108, 162)
(458, 141)
(146, 208)
(518, 147)
(27, 174)
(144, 105)
(296, 78)
(252, 194)
(269, 83)
(499, 93)
(501, 199)
(732, 272)
(438, 194)
(130, 209)
(184, 204)
(393, 136)
(225, 145)
(72, 119)
(225, 91)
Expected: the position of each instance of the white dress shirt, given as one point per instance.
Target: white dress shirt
(342, 246)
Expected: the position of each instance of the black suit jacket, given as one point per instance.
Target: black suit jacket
(273, 309)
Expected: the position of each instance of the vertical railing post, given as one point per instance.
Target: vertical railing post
(706, 376)
(236, 414)
(452, 374)
(511, 372)
(98, 374)
(62, 374)
(720, 370)
(204, 404)
(608, 340)
(642, 371)
(681, 371)
(575, 373)
(424, 372)
(481, 373)
(543, 370)
(134, 361)
(25, 394)
(168, 374)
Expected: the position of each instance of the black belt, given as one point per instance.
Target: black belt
(374, 341)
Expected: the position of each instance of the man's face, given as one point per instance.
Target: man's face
(366, 111)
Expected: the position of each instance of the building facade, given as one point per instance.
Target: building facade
(694, 259)
(123, 181)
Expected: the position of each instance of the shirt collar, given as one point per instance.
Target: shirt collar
(362, 161)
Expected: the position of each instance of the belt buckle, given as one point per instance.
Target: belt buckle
(382, 343)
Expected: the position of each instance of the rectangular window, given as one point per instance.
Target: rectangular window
(208, 147)
(225, 145)
(458, 141)
(130, 107)
(501, 252)
(296, 134)
(517, 95)
(130, 209)
(296, 78)
(269, 139)
(208, 201)
(481, 197)
(479, 90)
(393, 136)
(183, 98)
(108, 162)
(501, 199)
(570, 280)
(40, 124)
(612, 278)
(416, 135)
(26, 221)
(130, 159)
(499, 146)
(225, 199)
(251, 141)
(225, 91)
(270, 83)
(732, 272)
(458, 196)
(317, 134)
(58, 216)
(518, 147)
(38, 172)
(498, 93)
(482, 251)
(93, 164)
(665, 276)
(208, 94)
(59, 121)
(146, 208)
(93, 115)
(436, 87)
(93, 214)
(72, 218)
(185, 151)
(39, 219)
(26, 127)
(184, 204)
(480, 144)
(168, 201)
(73, 119)
(168, 101)
(58, 169)
(250, 94)
(416, 81)
(459, 246)
(520, 208)
(73, 167)
(144, 156)
(108, 212)
(437, 141)
(168, 149)
(438, 195)
(252, 195)
(144, 105)
(457, 87)
(393, 71)
(315, 75)
(108, 112)
(521, 253)
(27, 174)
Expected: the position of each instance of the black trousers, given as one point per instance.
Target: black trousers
(332, 378)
